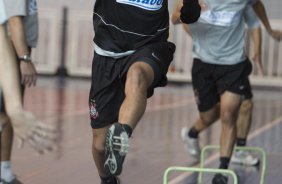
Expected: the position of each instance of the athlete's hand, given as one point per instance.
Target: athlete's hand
(28, 73)
(41, 136)
(276, 34)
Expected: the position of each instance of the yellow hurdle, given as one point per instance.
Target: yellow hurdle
(246, 148)
(200, 170)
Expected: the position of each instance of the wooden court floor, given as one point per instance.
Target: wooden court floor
(156, 142)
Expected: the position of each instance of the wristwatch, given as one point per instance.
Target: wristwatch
(25, 58)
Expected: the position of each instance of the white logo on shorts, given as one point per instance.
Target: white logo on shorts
(93, 111)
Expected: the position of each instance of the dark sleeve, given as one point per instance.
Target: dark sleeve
(190, 11)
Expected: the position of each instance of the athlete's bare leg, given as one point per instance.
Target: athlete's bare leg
(139, 77)
(245, 119)
(229, 109)
(207, 118)
(6, 137)
(98, 149)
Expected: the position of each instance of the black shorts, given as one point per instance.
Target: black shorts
(108, 80)
(210, 81)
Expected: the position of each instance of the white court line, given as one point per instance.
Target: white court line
(72, 113)
(254, 134)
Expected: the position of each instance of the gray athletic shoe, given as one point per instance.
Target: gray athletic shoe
(191, 145)
(244, 158)
(117, 145)
(14, 181)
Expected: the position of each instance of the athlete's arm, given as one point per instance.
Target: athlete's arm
(187, 29)
(260, 11)
(18, 38)
(186, 11)
(175, 18)
(256, 36)
(18, 35)
(253, 23)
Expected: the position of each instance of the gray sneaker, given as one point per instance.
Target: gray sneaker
(117, 145)
(14, 181)
(244, 158)
(191, 145)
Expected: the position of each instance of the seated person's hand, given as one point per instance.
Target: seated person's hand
(28, 73)
(41, 136)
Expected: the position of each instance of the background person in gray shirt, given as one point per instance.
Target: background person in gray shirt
(244, 120)
(220, 69)
(245, 114)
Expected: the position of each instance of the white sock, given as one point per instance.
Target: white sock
(6, 172)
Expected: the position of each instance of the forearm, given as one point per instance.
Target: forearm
(9, 76)
(175, 18)
(187, 29)
(256, 36)
(260, 11)
(18, 35)
(257, 40)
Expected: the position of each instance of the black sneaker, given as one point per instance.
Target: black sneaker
(114, 180)
(220, 179)
(117, 145)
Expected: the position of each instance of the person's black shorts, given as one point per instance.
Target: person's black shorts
(210, 81)
(108, 80)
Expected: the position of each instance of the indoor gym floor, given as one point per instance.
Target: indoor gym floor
(156, 143)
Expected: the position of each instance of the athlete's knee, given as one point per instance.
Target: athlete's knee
(138, 77)
(246, 106)
(98, 142)
(228, 118)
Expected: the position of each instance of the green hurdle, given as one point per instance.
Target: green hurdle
(246, 148)
(200, 170)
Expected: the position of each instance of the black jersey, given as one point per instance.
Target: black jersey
(124, 25)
